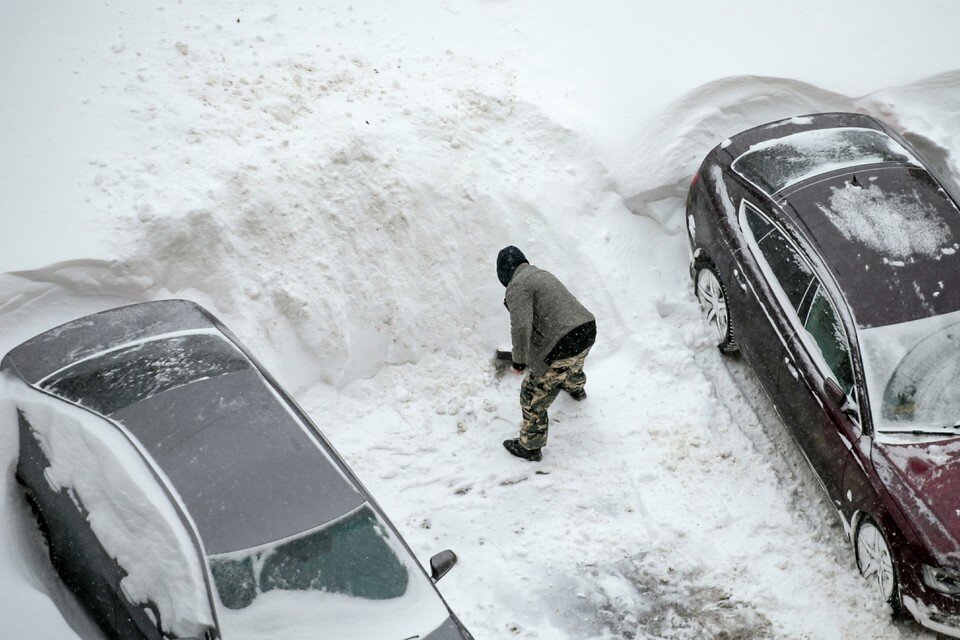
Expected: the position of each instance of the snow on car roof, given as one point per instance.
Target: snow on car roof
(890, 235)
(773, 165)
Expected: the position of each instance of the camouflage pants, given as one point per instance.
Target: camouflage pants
(537, 393)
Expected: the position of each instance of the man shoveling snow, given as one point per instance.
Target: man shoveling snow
(552, 334)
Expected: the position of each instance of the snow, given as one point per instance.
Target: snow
(899, 225)
(334, 181)
(127, 509)
(773, 165)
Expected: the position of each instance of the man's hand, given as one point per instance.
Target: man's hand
(518, 367)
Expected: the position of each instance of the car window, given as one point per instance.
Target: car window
(773, 165)
(127, 375)
(790, 270)
(824, 326)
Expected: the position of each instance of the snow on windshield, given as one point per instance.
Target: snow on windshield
(129, 512)
(776, 164)
(896, 224)
(912, 371)
(348, 580)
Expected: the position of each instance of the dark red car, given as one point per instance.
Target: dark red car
(825, 249)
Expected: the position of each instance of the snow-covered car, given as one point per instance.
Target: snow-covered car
(184, 494)
(825, 249)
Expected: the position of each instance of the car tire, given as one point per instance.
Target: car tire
(875, 562)
(711, 293)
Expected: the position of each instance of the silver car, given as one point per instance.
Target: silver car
(184, 494)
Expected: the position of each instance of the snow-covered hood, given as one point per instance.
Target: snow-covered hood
(924, 479)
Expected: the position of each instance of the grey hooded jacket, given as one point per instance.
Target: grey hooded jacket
(542, 312)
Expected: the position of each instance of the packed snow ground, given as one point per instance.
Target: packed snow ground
(334, 182)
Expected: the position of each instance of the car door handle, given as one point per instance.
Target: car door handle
(740, 279)
(791, 368)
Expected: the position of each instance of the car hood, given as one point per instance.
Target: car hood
(924, 479)
(449, 630)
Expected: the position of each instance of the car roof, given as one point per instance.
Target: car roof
(247, 467)
(890, 235)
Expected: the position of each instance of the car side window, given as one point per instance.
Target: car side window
(824, 326)
(790, 270)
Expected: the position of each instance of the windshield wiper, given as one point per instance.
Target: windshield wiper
(943, 431)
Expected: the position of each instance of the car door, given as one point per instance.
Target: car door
(815, 347)
(116, 534)
(821, 351)
(79, 558)
(772, 285)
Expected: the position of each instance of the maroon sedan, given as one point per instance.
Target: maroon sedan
(825, 249)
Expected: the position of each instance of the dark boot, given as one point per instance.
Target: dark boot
(578, 395)
(517, 449)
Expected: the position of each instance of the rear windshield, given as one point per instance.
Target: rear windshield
(774, 165)
(120, 378)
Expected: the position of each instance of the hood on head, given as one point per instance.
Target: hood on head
(508, 260)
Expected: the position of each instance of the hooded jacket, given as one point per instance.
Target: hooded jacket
(542, 312)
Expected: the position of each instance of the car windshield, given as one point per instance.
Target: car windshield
(912, 370)
(121, 377)
(347, 580)
(774, 165)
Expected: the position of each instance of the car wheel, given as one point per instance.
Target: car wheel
(875, 562)
(715, 304)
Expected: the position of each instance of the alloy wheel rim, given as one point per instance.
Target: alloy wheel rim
(713, 302)
(876, 564)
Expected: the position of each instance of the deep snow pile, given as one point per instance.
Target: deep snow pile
(334, 182)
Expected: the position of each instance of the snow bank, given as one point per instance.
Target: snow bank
(360, 228)
(127, 509)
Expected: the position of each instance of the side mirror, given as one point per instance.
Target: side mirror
(441, 564)
(838, 400)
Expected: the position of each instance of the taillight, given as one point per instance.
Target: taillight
(695, 180)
